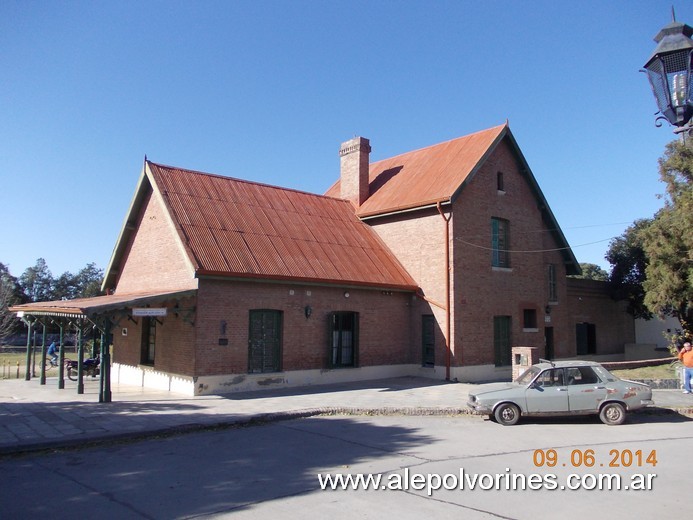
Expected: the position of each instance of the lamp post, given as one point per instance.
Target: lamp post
(669, 72)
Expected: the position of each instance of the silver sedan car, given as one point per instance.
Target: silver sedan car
(561, 388)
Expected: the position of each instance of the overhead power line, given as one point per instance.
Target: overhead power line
(486, 248)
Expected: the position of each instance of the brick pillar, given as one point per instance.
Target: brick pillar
(523, 358)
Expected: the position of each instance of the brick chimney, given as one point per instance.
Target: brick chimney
(354, 155)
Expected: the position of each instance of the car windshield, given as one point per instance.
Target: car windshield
(527, 376)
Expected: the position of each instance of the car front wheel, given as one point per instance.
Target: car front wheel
(507, 414)
(613, 414)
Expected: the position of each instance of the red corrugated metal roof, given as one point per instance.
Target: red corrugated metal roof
(424, 176)
(238, 228)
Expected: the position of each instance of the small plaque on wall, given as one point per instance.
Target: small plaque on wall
(223, 341)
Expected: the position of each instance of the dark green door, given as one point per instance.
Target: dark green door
(501, 340)
(264, 352)
(586, 338)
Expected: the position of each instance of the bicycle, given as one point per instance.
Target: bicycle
(50, 364)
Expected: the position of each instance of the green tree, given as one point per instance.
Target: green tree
(88, 281)
(629, 262)
(64, 287)
(592, 272)
(10, 294)
(668, 240)
(37, 282)
(85, 284)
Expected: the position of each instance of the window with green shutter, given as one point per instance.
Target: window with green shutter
(343, 339)
(428, 340)
(500, 243)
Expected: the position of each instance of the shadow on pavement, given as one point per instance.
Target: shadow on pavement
(204, 473)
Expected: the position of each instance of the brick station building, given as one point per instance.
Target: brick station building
(432, 263)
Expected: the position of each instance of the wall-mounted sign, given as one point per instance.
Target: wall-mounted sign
(149, 311)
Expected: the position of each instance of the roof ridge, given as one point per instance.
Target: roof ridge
(245, 181)
(442, 143)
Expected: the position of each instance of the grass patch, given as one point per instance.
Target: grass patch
(665, 371)
(13, 357)
(8, 365)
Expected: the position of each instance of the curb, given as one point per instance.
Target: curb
(242, 422)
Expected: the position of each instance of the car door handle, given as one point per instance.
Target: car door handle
(563, 389)
(600, 388)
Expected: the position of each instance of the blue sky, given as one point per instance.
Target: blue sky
(267, 90)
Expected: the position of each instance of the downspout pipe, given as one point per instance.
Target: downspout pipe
(447, 289)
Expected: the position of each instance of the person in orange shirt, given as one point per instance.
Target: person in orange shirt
(686, 357)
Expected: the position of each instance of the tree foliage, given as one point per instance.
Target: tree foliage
(85, 284)
(629, 262)
(10, 294)
(668, 240)
(37, 284)
(592, 272)
(88, 281)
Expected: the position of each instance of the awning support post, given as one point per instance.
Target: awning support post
(105, 365)
(43, 356)
(80, 358)
(30, 324)
(61, 354)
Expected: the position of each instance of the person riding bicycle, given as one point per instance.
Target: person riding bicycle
(53, 353)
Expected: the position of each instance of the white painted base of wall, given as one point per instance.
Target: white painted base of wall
(232, 383)
(481, 374)
(147, 377)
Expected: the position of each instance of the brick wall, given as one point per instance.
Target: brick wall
(175, 339)
(155, 258)
(589, 302)
(384, 327)
(418, 241)
(481, 292)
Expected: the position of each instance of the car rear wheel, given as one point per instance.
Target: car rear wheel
(612, 414)
(507, 414)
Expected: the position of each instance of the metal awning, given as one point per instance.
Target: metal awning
(99, 305)
(103, 312)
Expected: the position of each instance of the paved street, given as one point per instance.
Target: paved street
(271, 470)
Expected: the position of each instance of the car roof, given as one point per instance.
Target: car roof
(563, 364)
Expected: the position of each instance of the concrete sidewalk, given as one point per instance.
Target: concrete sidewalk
(36, 417)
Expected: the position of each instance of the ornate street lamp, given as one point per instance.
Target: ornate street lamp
(669, 72)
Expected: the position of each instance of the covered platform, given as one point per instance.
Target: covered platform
(101, 314)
